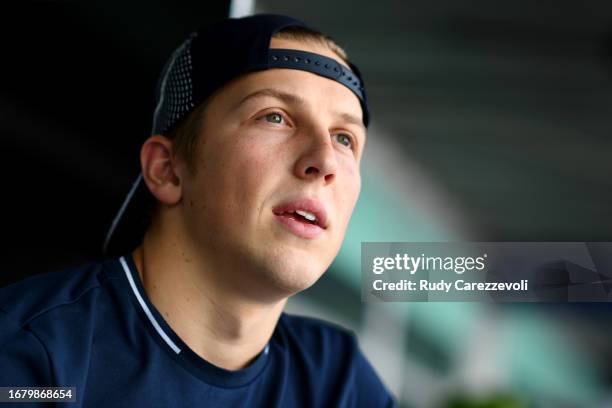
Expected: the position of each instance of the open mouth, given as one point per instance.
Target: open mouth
(301, 216)
(305, 218)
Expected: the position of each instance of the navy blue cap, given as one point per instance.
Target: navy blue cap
(210, 58)
(213, 56)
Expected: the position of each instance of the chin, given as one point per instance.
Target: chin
(291, 276)
(285, 267)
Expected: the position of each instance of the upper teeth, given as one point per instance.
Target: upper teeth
(307, 215)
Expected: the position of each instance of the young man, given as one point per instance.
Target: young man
(254, 164)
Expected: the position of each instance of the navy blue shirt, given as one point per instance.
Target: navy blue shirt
(94, 328)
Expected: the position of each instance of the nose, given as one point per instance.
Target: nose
(318, 159)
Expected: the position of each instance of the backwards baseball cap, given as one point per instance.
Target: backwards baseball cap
(210, 58)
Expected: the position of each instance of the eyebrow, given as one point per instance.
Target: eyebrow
(292, 99)
(275, 93)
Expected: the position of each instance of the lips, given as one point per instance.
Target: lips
(304, 217)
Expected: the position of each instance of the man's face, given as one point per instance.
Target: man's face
(275, 142)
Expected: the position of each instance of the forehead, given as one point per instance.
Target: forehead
(299, 87)
(307, 45)
(303, 87)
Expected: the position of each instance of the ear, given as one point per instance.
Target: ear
(159, 169)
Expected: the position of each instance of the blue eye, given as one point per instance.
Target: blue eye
(274, 118)
(344, 139)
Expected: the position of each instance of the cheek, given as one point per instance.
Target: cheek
(244, 175)
(257, 164)
(351, 181)
(348, 192)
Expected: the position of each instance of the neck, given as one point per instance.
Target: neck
(222, 327)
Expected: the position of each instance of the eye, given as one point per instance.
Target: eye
(273, 117)
(344, 140)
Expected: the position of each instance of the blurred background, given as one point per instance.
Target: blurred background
(491, 122)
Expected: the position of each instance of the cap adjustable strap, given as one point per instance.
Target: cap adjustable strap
(317, 64)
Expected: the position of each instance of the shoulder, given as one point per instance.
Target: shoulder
(25, 301)
(39, 319)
